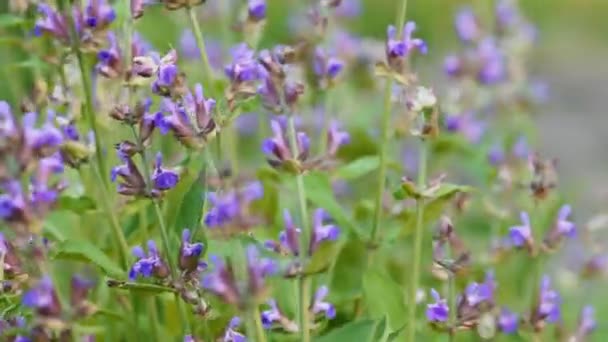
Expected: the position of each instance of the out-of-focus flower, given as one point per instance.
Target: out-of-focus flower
(231, 335)
(492, 68)
(11, 264)
(327, 68)
(336, 138)
(274, 315)
(348, 8)
(561, 228)
(467, 25)
(189, 49)
(547, 308)
(43, 298)
(508, 321)
(230, 209)
(438, 311)
(320, 306)
(190, 253)
(110, 61)
(586, 323)
(222, 281)
(256, 10)
(522, 235)
(466, 124)
(150, 265)
(137, 8)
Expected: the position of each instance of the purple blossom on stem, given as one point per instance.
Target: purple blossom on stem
(98, 14)
(163, 179)
(272, 315)
(348, 8)
(562, 225)
(466, 124)
(549, 302)
(168, 78)
(586, 322)
(522, 235)
(44, 140)
(189, 254)
(321, 231)
(277, 148)
(326, 67)
(320, 306)
(150, 265)
(53, 23)
(231, 206)
(244, 66)
(43, 298)
(256, 9)
(132, 182)
(492, 63)
(438, 311)
(336, 138)
(398, 49)
(508, 321)
(467, 25)
(231, 335)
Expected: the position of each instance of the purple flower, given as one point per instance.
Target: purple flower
(321, 231)
(467, 125)
(8, 127)
(277, 148)
(549, 302)
(271, 315)
(244, 66)
(586, 322)
(222, 281)
(492, 64)
(319, 305)
(289, 238)
(256, 9)
(53, 23)
(132, 182)
(326, 67)
(43, 298)
(98, 14)
(477, 293)
(44, 140)
(137, 8)
(438, 311)
(150, 265)
(520, 149)
(12, 203)
(467, 25)
(508, 321)
(168, 78)
(201, 107)
(163, 179)
(231, 206)
(189, 254)
(496, 156)
(521, 235)
(397, 49)
(452, 66)
(231, 335)
(563, 226)
(189, 338)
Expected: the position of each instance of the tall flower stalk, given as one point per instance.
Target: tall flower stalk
(304, 282)
(384, 142)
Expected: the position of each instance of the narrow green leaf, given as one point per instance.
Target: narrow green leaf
(360, 331)
(78, 205)
(384, 298)
(380, 329)
(191, 210)
(8, 20)
(86, 251)
(347, 275)
(358, 167)
(138, 287)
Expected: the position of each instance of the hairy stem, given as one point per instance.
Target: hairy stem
(418, 237)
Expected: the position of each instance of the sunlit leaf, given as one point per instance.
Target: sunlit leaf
(358, 168)
(347, 274)
(360, 331)
(86, 251)
(384, 298)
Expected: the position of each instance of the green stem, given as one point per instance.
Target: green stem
(304, 299)
(452, 298)
(384, 142)
(418, 237)
(254, 325)
(207, 70)
(327, 108)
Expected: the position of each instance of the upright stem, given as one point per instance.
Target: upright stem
(385, 128)
(304, 300)
(254, 325)
(207, 70)
(452, 298)
(418, 237)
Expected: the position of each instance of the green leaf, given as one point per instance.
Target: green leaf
(360, 331)
(77, 205)
(86, 251)
(8, 20)
(319, 192)
(142, 288)
(448, 190)
(347, 274)
(358, 168)
(384, 298)
(109, 314)
(322, 257)
(380, 329)
(191, 210)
